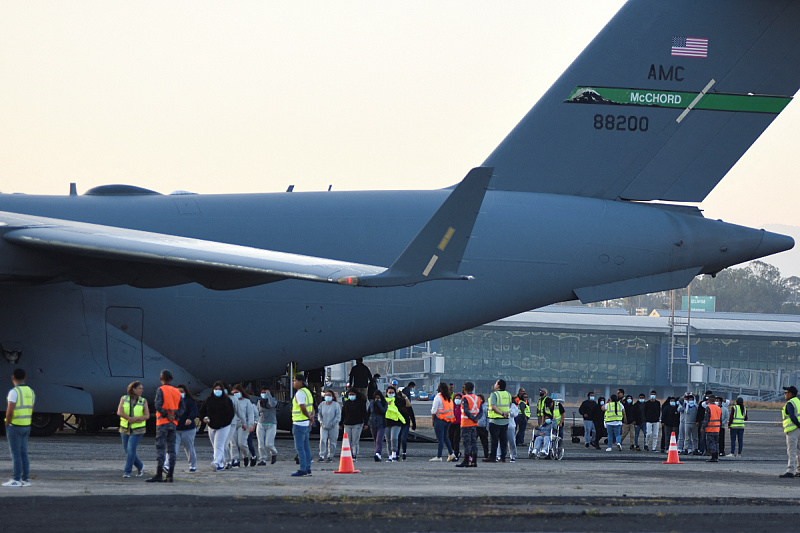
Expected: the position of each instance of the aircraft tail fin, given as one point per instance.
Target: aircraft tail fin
(661, 104)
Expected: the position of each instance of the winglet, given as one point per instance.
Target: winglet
(437, 250)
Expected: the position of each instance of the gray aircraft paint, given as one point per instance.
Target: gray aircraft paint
(551, 227)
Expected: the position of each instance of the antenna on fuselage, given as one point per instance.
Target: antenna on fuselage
(73, 189)
(290, 188)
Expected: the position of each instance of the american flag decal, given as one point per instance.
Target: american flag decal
(689, 47)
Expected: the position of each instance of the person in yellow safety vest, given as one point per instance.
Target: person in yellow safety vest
(133, 413)
(614, 418)
(499, 407)
(540, 405)
(791, 427)
(302, 413)
(521, 401)
(712, 424)
(394, 422)
(18, 428)
(736, 425)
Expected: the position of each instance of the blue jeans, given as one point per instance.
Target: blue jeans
(18, 443)
(614, 433)
(302, 445)
(129, 444)
(440, 427)
(736, 433)
(404, 437)
(643, 429)
(589, 435)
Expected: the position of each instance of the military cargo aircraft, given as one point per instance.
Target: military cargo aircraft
(585, 199)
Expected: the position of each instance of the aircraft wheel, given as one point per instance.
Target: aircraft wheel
(45, 424)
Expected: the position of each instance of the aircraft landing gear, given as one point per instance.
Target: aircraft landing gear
(45, 424)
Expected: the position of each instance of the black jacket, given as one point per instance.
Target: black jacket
(587, 409)
(652, 411)
(630, 412)
(218, 409)
(360, 376)
(354, 412)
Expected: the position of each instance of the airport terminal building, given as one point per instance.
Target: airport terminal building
(571, 349)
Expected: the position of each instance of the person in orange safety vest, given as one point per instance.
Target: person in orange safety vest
(712, 424)
(169, 407)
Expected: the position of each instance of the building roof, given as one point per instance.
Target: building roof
(599, 319)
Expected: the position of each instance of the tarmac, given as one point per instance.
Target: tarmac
(77, 485)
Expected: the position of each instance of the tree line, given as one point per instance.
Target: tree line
(757, 287)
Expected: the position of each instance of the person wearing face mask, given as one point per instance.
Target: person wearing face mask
(454, 430)
(377, 422)
(267, 427)
(354, 416)
(640, 424)
(217, 413)
(690, 426)
(329, 415)
(244, 424)
(587, 411)
(408, 412)
(670, 419)
(395, 420)
(599, 422)
(186, 430)
(652, 416)
(630, 418)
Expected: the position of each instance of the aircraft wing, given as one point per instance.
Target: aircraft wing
(45, 250)
(98, 255)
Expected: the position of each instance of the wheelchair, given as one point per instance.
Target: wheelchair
(555, 450)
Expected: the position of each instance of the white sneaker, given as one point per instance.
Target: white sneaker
(619, 447)
(435, 459)
(608, 449)
(25, 483)
(12, 483)
(451, 458)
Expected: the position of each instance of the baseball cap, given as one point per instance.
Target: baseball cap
(791, 389)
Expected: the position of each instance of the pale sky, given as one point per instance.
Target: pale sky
(251, 96)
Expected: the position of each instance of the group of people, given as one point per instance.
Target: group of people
(700, 423)
(234, 420)
(499, 422)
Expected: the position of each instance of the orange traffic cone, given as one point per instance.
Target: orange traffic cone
(346, 459)
(672, 457)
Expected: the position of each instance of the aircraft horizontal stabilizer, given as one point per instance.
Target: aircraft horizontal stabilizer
(643, 285)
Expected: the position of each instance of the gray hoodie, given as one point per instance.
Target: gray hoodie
(266, 410)
(690, 414)
(329, 414)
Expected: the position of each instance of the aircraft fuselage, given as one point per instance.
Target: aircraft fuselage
(527, 250)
